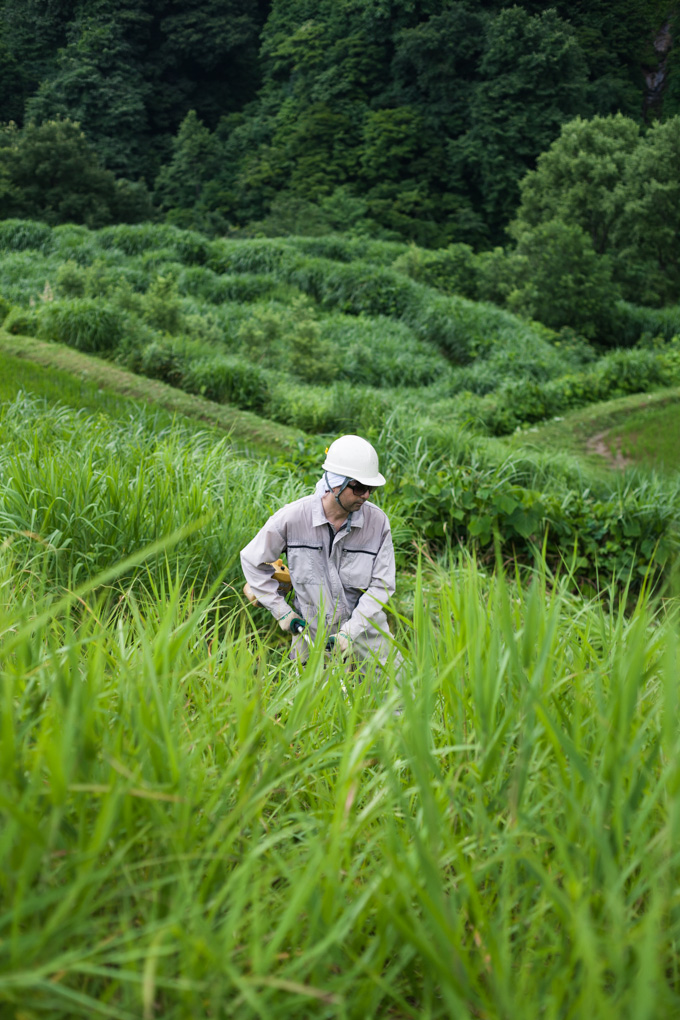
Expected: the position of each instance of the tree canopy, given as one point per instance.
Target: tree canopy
(426, 114)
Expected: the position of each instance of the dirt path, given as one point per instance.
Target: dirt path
(615, 459)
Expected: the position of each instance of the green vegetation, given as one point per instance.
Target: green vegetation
(411, 121)
(651, 438)
(252, 322)
(231, 231)
(189, 822)
(61, 375)
(578, 432)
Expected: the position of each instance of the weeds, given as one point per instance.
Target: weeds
(189, 822)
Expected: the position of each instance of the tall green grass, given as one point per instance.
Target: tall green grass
(296, 311)
(191, 828)
(81, 492)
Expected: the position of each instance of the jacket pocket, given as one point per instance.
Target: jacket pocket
(356, 568)
(304, 564)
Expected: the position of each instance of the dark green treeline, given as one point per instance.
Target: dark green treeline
(412, 119)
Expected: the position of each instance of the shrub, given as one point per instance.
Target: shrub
(163, 359)
(114, 280)
(451, 270)
(496, 275)
(342, 248)
(521, 401)
(156, 259)
(161, 306)
(336, 408)
(362, 288)
(82, 323)
(133, 239)
(564, 282)
(201, 282)
(77, 243)
(25, 235)
(256, 256)
(311, 356)
(382, 352)
(21, 321)
(203, 327)
(472, 503)
(634, 322)
(71, 279)
(193, 248)
(185, 246)
(5, 307)
(259, 332)
(227, 379)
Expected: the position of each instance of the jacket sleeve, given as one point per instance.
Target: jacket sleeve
(256, 558)
(372, 603)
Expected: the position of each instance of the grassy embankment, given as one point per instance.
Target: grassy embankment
(641, 431)
(59, 374)
(318, 334)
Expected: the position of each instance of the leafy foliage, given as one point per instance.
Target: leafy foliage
(83, 323)
(621, 188)
(318, 332)
(51, 173)
(409, 121)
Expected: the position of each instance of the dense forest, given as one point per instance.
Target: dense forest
(403, 119)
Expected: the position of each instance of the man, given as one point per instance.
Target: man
(340, 557)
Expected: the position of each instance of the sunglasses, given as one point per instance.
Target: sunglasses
(358, 489)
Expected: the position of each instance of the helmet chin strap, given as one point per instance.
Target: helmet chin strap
(337, 494)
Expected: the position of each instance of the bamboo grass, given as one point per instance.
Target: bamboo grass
(192, 828)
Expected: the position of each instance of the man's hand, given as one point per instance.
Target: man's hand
(339, 642)
(290, 622)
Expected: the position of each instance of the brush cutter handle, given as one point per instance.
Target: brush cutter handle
(298, 625)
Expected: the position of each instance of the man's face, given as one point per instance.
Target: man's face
(354, 495)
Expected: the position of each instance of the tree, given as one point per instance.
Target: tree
(49, 172)
(647, 233)
(100, 85)
(202, 55)
(533, 79)
(579, 178)
(435, 66)
(31, 32)
(130, 70)
(181, 182)
(621, 187)
(563, 281)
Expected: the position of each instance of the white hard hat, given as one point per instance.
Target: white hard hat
(354, 457)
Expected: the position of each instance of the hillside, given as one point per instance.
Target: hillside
(189, 820)
(230, 232)
(639, 431)
(322, 336)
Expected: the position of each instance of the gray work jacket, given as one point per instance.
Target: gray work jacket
(346, 577)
